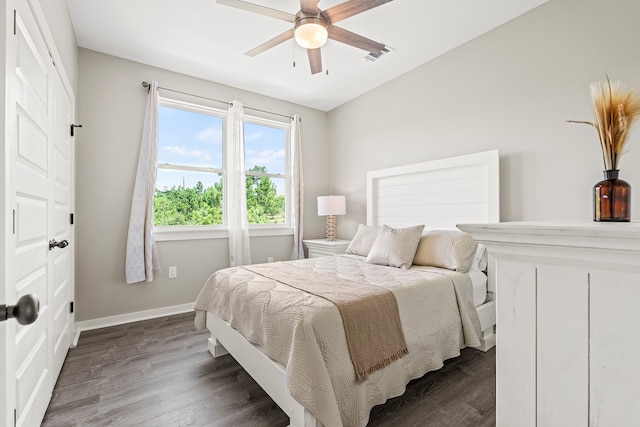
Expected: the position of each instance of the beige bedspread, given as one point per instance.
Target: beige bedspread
(304, 332)
(369, 314)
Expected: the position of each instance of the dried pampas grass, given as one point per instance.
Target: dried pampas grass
(615, 112)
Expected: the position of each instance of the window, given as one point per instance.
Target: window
(265, 158)
(189, 185)
(190, 169)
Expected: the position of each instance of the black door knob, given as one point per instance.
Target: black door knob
(53, 244)
(25, 311)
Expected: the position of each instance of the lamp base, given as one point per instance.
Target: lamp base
(330, 230)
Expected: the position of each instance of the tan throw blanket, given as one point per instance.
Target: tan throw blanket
(369, 313)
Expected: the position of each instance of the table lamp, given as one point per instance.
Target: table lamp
(331, 206)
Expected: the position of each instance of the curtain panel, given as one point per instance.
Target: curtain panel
(142, 261)
(236, 188)
(297, 191)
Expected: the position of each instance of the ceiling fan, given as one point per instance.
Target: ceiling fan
(312, 27)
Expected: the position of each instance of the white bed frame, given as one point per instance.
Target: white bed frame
(439, 194)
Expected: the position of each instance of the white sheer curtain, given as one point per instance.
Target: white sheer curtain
(297, 193)
(142, 261)
(236, 189)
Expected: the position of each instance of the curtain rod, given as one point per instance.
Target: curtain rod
(146, 84)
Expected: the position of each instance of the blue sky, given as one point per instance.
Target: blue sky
(195, 139)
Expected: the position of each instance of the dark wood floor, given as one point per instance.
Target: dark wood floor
(159, 373)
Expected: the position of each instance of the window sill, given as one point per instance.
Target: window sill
(168, 234)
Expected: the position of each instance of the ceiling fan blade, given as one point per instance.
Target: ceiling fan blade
(350, 8)
(309, 6)
(271, 43)
(315, 60)
(256, 8)
(355, 40)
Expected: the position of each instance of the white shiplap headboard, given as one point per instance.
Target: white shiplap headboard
(438, 193)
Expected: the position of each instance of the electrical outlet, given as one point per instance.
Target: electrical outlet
(270, 259)
(173, 272)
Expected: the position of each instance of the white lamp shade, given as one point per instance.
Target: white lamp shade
(332, 205)
(311, 33)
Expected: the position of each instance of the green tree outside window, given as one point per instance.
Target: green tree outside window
(203, 206)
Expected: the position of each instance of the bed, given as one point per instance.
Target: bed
(298, 351)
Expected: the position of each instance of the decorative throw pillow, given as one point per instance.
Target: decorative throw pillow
(395, 247)
(451, 249)
(363, 240)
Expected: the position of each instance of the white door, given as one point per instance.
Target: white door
(38, 201)
(61, 258)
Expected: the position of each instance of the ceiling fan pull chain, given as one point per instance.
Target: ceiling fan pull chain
(294, 54)
(327, 70)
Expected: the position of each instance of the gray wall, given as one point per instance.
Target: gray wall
(511, 89)
(111, 105)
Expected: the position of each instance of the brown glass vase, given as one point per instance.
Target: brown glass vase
(612, 198)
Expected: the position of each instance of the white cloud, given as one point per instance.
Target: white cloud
(253, 137)
(185, 152)
(264, 157)
(211, 133)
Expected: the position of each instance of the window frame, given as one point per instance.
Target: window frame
(217, 231)
(287, 168)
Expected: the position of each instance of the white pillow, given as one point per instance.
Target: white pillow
(363, 240)
(479, 261)
(395, 247)
(451, 249)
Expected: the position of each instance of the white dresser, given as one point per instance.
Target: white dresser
(324, 247)
(568, 322)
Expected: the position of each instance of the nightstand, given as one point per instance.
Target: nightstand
(323, 247)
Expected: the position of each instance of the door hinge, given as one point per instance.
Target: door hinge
(71, 306)
(71, 218)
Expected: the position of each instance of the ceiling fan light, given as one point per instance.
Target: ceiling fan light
(311, 33)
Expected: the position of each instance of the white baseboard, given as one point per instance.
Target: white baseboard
(121, 319)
